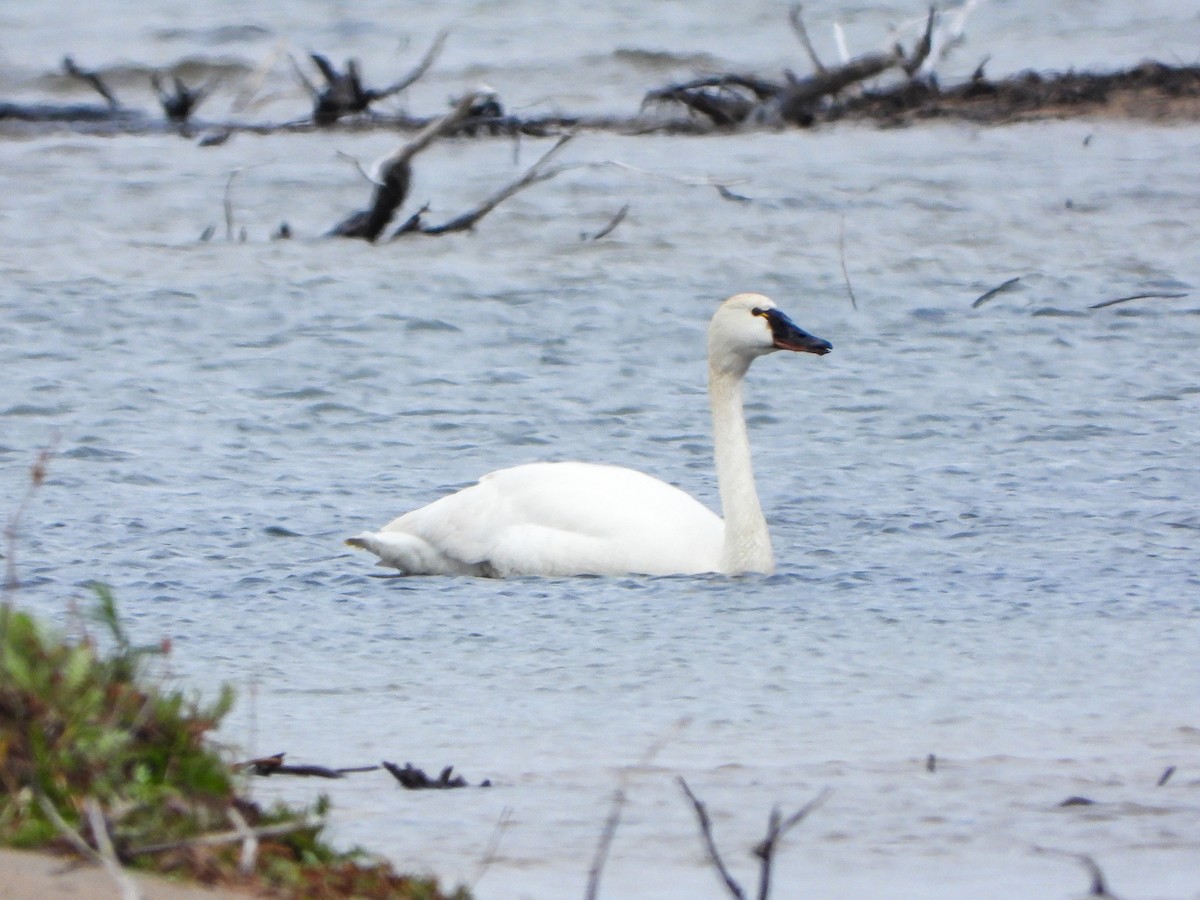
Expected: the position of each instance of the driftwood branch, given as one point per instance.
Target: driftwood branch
(415, 779)
(998, 289)
(180, 101)
(536, 173)
(1098, 886)
(842, 260)
(797, 23)
(94, 80)
(777, 828)
(393, 176)
(421, 68)
(345, 94)
(1103, 303)
(612, 224)
(710, 844)
(228, 837)
(104, 856)
(618, 803)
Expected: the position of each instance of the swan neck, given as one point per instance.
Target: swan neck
(747, 540)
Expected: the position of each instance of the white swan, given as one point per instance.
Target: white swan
(573, 518)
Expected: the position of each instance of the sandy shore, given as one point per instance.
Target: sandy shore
(26, 875)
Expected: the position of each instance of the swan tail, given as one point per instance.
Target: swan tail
(409, 553)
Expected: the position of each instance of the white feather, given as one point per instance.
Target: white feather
(575, 518)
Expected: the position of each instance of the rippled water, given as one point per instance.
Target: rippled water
(985, 519)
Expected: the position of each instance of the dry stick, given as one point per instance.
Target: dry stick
(129, 890)
(618, 802)
(228, 203)
(422, 67)
(493, 844)
(1166, 775)
(921, 51)
(613, 223)
(998, 289)
(710, 845)
(842, 259)
(776, 829)
(108, 855)
(534, 175)
(394, 174)
(249, 841)
(93, 79)
(1098, 887)
(227, 837)
(794, 17)
(1104, 303)
(37, 475)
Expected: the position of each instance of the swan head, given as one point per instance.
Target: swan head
(747, 326)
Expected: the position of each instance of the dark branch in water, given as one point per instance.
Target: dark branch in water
(612, 224)
(345, 94)
(842, 259)
(93, 79)
(998, 289)
(181, 101)
(274, 765)
(777, 828)
(1166, 775)
(394, 176)
(1103, 303)
(415, 779)
(797, 23)
(467, 220)
(1098, 886)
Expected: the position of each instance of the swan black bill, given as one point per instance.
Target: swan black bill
(790, 336)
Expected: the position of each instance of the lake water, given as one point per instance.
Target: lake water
(986, 520)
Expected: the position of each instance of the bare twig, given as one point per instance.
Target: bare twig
(797, 23)
(93, 79)
(249, 841)
(1165, 776)
(37, 476)
(105, 856)
(921, 52)
(108, 855)
(228, 837)
(998, 289)
(618, 802)
(1102, 304)
(421, 68)
(777, 827)
(1098, 886)
(710, 844)
(493, 844)
(612, 223)
(536, 173)
(228, 204)
(842, 260)
(393, 176)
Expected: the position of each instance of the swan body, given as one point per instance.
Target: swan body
(576, 518)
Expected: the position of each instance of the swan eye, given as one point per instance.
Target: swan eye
(758, 311)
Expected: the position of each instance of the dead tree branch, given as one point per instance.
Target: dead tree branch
(797, 23)
(181, 101)
(535, 174)
(393, 176)
(777, 828)
(93, 79)
(345, 94)
(998, 289)
(612, 224)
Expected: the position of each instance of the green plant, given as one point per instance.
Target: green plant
(80, 727)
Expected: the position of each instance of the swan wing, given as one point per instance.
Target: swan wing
(555, 519)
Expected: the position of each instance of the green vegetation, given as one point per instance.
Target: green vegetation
(82, 729)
